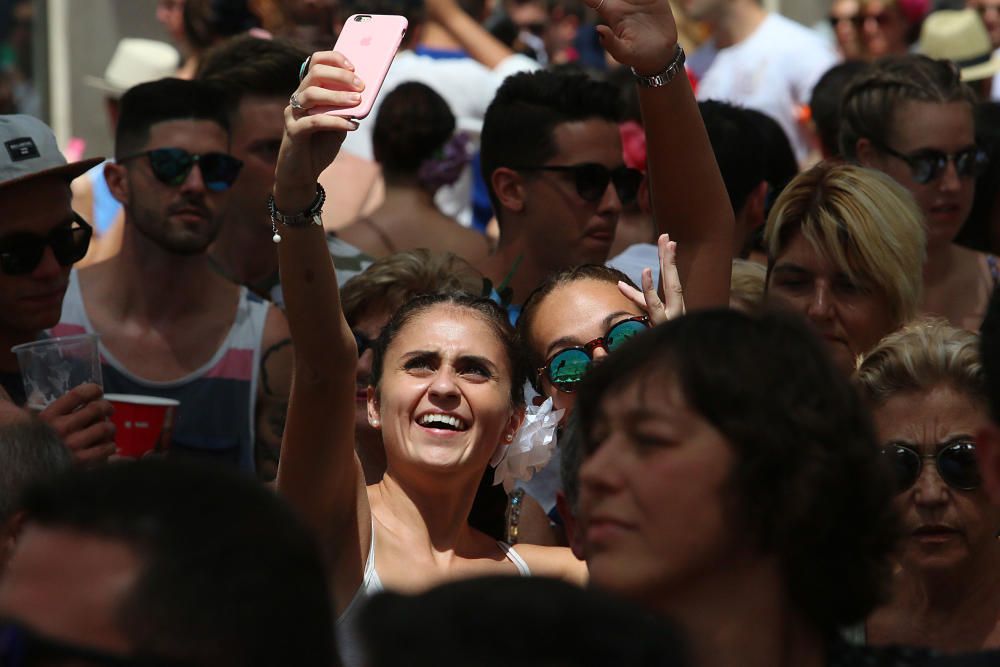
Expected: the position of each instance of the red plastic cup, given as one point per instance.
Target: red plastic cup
(143, 424)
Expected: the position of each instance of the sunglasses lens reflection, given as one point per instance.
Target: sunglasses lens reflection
(568, 367)
(957, 466)
(622, 331)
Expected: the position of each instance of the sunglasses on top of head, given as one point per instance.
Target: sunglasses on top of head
(566, 368)
(928, 164)
(22, 252)
(955, 463)
(591, 180)
(172, 166)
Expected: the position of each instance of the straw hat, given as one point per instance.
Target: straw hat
(961, 37)
(136, 61)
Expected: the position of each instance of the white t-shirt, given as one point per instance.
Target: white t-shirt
(467, 86)
(773, 70)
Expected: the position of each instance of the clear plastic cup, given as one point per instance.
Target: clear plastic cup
(53, 366)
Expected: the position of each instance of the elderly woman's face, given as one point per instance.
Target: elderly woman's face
(652, 488)
(849, 317)
(945, 528)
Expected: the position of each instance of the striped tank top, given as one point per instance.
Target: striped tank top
(215, 420)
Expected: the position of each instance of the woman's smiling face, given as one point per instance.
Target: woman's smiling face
(444, 399)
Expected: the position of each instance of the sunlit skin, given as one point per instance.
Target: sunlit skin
(69, 586)
(849, 317)
(184, 218)
(446, 360)
(572, 315)
(652, 494)
(946, 592)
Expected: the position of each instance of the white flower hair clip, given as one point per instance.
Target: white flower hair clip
(531, 448)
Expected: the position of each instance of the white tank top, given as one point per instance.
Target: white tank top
(348, 641)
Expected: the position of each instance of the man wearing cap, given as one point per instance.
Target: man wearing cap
(170, 325)
(40, 239)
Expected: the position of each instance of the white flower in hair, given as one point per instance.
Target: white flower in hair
(531, 448)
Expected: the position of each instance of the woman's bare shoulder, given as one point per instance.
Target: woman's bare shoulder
(557, 562)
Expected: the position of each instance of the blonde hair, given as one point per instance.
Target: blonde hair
(925, 354)
(746, 287)
(860, 220)
(392, 281)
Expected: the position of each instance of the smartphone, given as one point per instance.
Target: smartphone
(370, 42)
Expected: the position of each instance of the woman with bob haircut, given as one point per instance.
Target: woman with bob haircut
(760, 521)
(911, 117)
(845, 248)
(927, 392)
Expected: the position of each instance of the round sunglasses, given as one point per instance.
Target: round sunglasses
(928, 164)
(22, 252)
(567, 367)
(172, 166)
(955, 463)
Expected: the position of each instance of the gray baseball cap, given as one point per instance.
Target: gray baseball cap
(28, 150)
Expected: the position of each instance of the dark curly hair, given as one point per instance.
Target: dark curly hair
(518, 125)
(413, 122)
(488, 311)
(530, 360)
(807, 484)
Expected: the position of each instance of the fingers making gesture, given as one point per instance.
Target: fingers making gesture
(672, 304)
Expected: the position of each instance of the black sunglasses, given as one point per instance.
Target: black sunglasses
(928, 164)
(22, 252)
(591, 180)
(172, 166)
(955, 462)
(567, 367)
(22, 647)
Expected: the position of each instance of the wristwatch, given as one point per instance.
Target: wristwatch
(664, 77)
(311, 216)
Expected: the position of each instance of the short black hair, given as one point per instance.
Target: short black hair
(557, 624)
(739, 148)
(989, 353)
(248, 65)
(230, 577)
(147, 104)
(413, 123)
(518, 125)
(808, 484)
(30, 451)
(825, 103)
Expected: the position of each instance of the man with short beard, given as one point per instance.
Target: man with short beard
(170, 325)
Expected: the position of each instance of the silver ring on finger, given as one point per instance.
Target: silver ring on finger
(294, 102)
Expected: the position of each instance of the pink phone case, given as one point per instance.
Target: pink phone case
(370, 42)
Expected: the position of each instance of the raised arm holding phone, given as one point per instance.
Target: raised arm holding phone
(446, 390)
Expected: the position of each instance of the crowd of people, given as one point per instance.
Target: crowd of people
(580, 350)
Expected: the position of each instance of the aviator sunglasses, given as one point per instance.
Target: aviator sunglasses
(22, 252)
(567, 367)
(172, 166)
(926, 165)
(591, 180)
(955, 462)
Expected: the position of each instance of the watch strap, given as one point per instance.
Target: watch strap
(665, 76)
